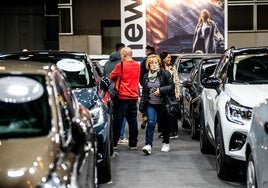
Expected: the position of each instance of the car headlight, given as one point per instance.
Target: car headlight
(236, 113)
(97, 114)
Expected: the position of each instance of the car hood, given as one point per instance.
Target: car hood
(247, 95)
(86, 96)
(25, 161)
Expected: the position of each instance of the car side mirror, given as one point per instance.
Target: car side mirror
(212, 83)
(187, 83)
(105, 83)
(266, 127)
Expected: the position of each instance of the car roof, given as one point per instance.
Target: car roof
(195, 55)
(27, 67)
(44, 53)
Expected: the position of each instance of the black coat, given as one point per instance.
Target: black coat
(167, 88)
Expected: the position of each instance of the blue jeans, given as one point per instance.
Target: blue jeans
(152, 112)
(122, 133)
(126, 109)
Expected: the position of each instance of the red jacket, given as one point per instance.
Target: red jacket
(129, 88)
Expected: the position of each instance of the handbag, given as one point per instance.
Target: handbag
(172, 106)
(114, 93)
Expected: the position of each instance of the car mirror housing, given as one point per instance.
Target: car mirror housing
(211, 82)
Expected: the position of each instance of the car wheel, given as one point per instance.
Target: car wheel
(183, 121)
(251, 173)
(194, 131)
(205, 145)
(104, 169)
(223, 169)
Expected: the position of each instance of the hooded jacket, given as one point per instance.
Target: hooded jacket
(114, 58)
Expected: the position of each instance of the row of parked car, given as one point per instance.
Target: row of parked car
(224, 105)
(55, 125)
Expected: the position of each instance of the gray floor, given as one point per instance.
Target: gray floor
(183, 166)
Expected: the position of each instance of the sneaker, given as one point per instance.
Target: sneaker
(144, 122)
(123, 141)
(173, 135)
(132, 147)
(147, 149)
(115, 147)
(165, 147)
(161, 135)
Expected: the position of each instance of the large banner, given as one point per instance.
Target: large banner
(176, 26)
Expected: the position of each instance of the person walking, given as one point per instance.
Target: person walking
(114, 59)
(167, 65)
(128, 96)
(157, 83)
(148, 51)
(205, 33)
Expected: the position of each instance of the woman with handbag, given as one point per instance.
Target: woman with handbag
(174, 96)
(157, 83)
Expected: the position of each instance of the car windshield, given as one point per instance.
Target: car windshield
(75, 71)
(24, 107)
(250, 69)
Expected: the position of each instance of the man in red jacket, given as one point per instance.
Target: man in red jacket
(128, 89)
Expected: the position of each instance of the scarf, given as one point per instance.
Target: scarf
(152, 76)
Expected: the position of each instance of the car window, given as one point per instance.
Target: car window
(208, 68)
(24, 107)
(185, 66)
(250, 69)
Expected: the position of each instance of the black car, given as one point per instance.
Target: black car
(89, 87)
(192, 87)
(46, 136)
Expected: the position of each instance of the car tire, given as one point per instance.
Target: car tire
(205, 146)
(104, 169)
(222, 167)
(251, 173)
(194, 131)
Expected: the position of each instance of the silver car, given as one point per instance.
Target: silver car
(257, 148)
(46, 136)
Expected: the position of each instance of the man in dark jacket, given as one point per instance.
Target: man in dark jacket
(114, 58)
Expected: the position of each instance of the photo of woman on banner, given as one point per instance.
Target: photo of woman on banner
(206, 34)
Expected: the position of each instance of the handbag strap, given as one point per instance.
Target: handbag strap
(120, 77)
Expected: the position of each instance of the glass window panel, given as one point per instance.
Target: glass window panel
(262, 15)
(64, 1)
(65, 20)
(240, 17)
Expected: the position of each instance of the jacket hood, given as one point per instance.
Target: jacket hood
(115, 57)
(247, 95)
(25, 161)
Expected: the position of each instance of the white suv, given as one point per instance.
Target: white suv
(240, 82)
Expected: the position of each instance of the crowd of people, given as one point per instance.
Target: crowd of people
(159, 82)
